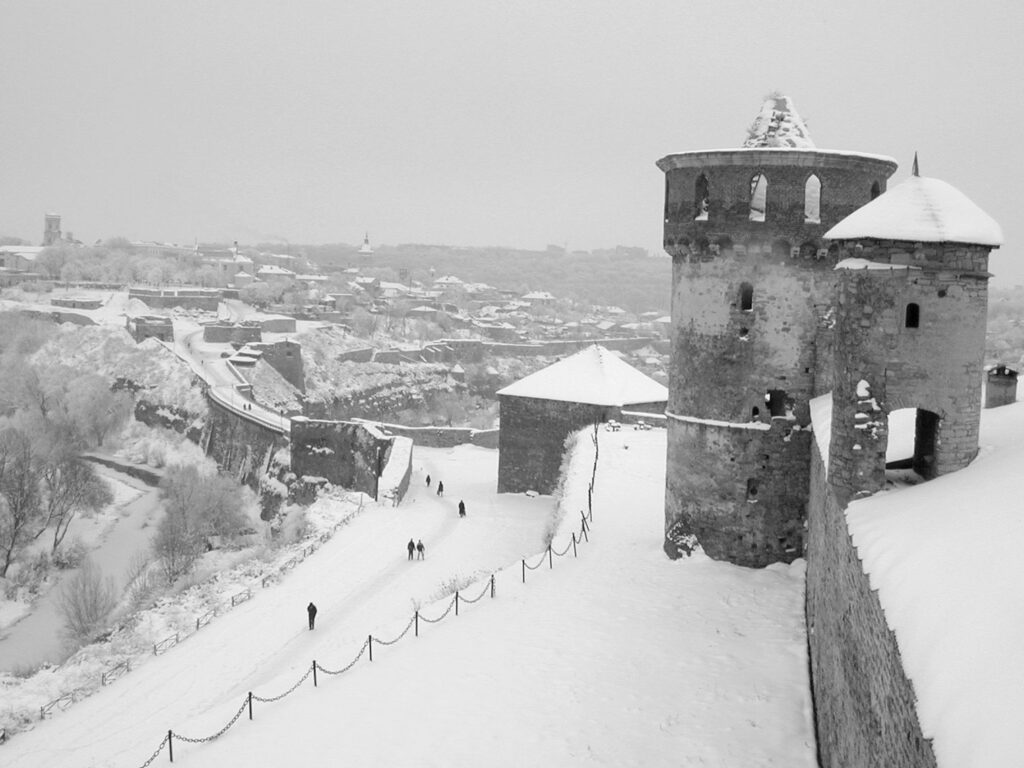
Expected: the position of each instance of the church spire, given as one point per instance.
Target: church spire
(915, 171)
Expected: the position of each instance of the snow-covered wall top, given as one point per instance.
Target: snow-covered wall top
(945, 559)
(778, 125)
(921, 209)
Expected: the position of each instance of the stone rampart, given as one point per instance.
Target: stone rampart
(532, 439)
(865, 708)
(348, 454)
(440, 437)
(241, 447)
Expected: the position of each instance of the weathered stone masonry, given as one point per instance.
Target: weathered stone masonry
(530, 452)
(865, 708)
(751, 340)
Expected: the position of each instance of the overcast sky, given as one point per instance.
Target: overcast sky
(513, 123)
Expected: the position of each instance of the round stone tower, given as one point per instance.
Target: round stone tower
(752, 283)
(911, 308)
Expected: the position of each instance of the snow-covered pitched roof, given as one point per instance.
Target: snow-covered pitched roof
(921, 209)
(778, 125)
(594, 376)
(273, 269)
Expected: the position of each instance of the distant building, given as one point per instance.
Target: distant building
(51, 229)
(537, 413)
(1000, 386)
(365, 249)
(539, 299)
(144, 327)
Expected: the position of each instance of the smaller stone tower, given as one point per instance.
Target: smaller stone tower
(910, 314)
(51, 229)
(1000, 386)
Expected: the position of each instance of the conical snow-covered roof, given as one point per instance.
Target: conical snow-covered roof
(924, 210)
(594, 376)
(778, 125)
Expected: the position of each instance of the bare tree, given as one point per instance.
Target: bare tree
(95, 408)
(176, 546)
(70, 485)
(20, 499)
(85, 602)
(198, 507)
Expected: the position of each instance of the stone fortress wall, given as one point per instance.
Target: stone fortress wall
(864, 705)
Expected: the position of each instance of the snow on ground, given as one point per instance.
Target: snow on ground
(945, 559)
(617, 657)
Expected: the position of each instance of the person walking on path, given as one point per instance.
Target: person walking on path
(420, 549)
(411, 546)
(311, 610)
(428, 481)
(462, 508)
(440, 487)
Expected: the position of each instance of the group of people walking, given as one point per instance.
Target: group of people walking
(440, 486)
(440, 492)
(417, 548)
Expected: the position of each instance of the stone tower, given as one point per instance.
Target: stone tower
(910, 315)
(752, 283)
(51, 229)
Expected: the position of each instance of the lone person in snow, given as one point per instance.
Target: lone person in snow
(428, 481)
(411, 546)
(440, 487)
(311, 610)
(462, 508)
(420, 549)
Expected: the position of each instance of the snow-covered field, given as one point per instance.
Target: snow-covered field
(617, 657)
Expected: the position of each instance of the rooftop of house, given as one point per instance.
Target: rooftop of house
(594, 376)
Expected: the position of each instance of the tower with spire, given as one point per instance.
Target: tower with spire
(365, 248)
(752, 339)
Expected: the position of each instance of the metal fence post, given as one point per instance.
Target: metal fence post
(250, 705)
(417, 617)
(456, 602)
(492, 586)
(524, 570)
(550, 562)
(370, 644)
(170, 744)
(574, 543)
(314, 673)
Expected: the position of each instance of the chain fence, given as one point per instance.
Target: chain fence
(119, 669)
(586, 517)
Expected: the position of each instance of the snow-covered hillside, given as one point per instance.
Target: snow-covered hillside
(618, 656)
(165, 380)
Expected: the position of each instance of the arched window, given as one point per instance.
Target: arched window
(751, 489)
(758, 197)
(700, 198)
(746, 297)
(913, 317)
(812, 200)
(876, 190)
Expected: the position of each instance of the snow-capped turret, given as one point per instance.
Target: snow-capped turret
(778, 125)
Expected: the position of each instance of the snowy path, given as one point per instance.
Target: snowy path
(361, 582)
(620, 657)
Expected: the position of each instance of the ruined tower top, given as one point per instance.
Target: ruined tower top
(778, 125)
